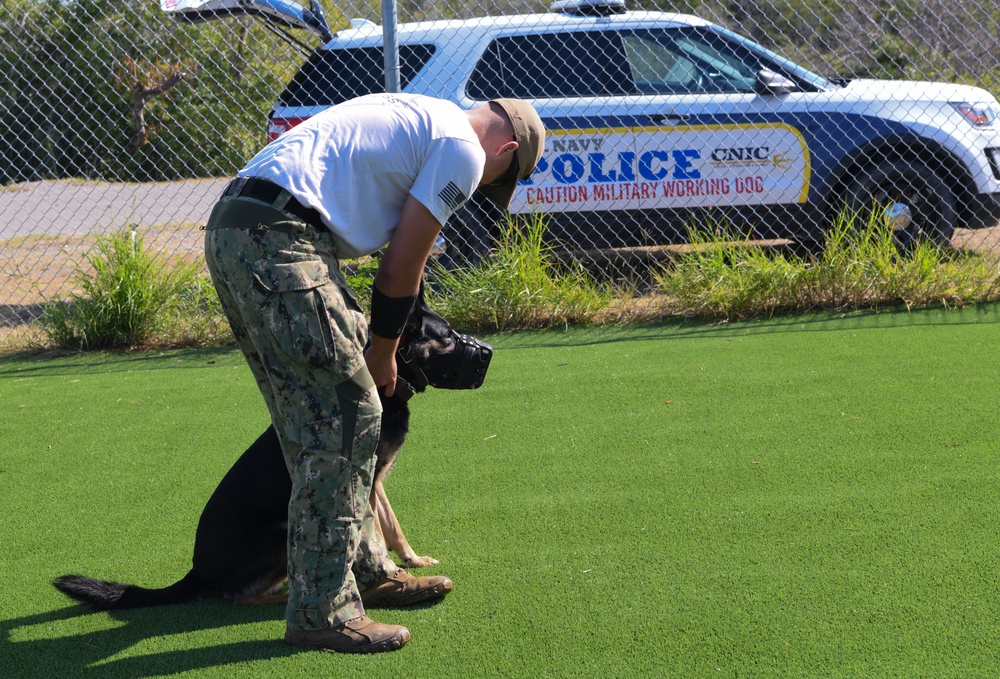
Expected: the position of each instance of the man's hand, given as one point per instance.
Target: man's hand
(380, 357)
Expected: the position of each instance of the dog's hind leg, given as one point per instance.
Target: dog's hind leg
(264, 595)
(266, 599)
(388, 524)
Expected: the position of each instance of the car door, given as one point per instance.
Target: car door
(645, 125)
(707, 131)
(579, 82)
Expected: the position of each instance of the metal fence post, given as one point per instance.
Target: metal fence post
(389, 20)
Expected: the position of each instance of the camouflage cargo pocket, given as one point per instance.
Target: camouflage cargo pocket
(305, 311)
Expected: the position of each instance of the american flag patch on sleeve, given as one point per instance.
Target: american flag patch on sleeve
(452, 196)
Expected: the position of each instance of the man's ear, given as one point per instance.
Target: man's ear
(508, 147)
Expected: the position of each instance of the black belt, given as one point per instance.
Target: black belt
(269, 192)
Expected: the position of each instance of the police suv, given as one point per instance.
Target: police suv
(656, 120)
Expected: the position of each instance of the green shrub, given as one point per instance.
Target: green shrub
(74, 56)
(125, 297)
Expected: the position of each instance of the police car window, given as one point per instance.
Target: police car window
(551, 65)
(807, 80)
(657, 69)
(671, 61)
(726, 72)
(332, 76)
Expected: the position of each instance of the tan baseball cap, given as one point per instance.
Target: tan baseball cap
(529, 133)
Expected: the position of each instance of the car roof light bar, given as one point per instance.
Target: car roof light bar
(589, 8)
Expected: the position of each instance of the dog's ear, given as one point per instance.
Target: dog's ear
(420, 308)
(416, 319)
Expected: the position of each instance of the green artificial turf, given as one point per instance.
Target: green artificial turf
(812, 496)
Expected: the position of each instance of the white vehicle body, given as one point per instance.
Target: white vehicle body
(689, 117)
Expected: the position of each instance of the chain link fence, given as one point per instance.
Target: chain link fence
(756, 120)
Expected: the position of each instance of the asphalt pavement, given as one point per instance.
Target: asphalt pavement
(73, 207)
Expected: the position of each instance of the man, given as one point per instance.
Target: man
(380, 169)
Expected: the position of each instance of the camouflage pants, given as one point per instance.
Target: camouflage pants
(303, 335)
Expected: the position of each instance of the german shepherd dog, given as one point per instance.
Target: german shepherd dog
(240, 547)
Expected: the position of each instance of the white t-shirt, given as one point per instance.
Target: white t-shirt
(357, 162)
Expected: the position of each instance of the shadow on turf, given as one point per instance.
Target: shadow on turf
(87, 655)
(51, 365)
(56, 365)
(816, 321)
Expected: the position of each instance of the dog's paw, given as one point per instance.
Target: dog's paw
(420, 561)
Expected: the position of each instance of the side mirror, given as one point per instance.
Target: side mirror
(774, 84)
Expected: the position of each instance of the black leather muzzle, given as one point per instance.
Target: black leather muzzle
(464, 367)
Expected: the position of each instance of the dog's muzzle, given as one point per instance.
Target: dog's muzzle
(462, 368)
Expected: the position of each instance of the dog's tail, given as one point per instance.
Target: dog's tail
(100, 595)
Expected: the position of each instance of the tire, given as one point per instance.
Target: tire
(906, 185)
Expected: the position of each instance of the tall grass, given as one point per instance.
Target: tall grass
(860, 267)
(124, 298)
(194, 317)
(520, 285)
(360, 274)
(128, 297)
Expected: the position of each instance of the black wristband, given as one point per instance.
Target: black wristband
(389, 314)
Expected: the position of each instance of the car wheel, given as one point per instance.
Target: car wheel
(909, 197)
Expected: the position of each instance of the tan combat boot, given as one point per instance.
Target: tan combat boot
(360, 635)
(402, 589)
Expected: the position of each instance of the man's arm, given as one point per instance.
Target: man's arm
(399, 275)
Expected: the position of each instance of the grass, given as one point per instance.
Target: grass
(518, 286)
(805, 496)
(860, 267)
(131, 299)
